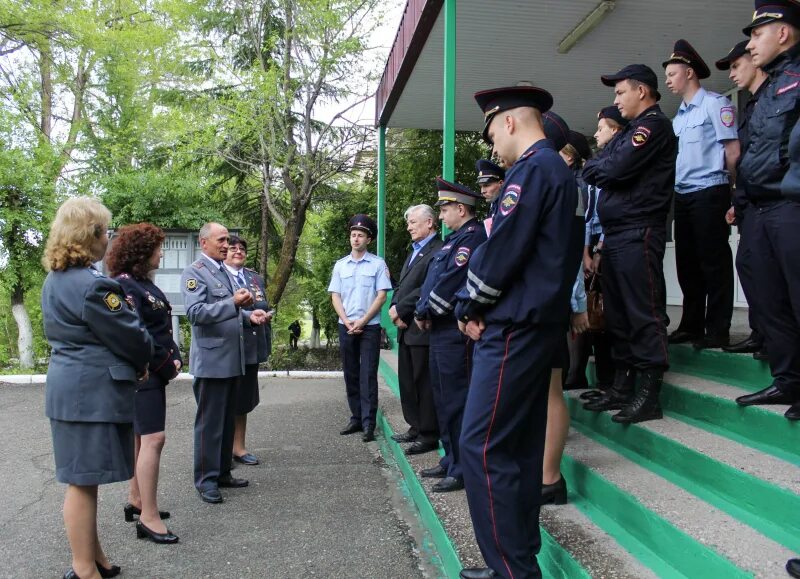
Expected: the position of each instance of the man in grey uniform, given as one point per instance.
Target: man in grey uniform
(216, 358)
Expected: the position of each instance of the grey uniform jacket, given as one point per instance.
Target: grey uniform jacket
(257, 339)
(217, 349)
(99, 347)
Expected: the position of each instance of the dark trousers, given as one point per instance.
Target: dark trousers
(745, 258)
(502, 443)
(703, 260)
(416, 395)
(583, 345)
(213, 429)
(360, 354)
(776, 244)
(450, 366)
(635, 297)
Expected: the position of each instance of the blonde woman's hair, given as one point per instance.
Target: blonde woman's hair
(80, 222)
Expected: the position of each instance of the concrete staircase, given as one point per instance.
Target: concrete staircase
(713, 490)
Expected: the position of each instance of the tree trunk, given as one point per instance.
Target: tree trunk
(291, 239)
(24, 328)
(264, 246)
(315, 328)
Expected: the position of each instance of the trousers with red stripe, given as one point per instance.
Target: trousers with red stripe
(502, 443)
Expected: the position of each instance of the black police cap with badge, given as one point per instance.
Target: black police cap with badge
(488, 171)
(735, 53)
(363, 223)
(638, 72)
(684, 53)
(767, 11)
(497, 100)
(450, 192)
(612, 113)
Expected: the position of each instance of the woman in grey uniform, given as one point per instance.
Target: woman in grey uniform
(133, 259)
(100, 351)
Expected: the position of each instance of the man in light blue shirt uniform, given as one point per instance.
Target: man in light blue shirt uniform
(708, 151)
(358, 290)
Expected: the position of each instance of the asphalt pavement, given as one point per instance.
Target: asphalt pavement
(318, 505)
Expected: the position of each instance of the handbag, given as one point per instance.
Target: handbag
(594, 306)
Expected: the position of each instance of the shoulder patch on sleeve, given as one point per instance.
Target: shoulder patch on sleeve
(112, 301)
(462, 256)
(510, 199)
(727, 115)
(640, 136)
(191, 284)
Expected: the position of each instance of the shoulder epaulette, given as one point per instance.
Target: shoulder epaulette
(199, 264)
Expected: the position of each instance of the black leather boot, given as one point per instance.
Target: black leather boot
(646, 404)
(616, 397)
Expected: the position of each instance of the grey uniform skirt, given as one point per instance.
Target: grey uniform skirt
(92, 453)
(247, 390)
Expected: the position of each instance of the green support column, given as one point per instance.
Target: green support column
(449, 124)
(381, 191)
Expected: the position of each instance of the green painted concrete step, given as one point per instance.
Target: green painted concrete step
(698, 461)
(739, 370)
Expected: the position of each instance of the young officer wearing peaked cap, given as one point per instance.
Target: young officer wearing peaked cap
(746, 76)
(636, 173)
(358, 287)
(450, 350)
(515, 305)
(772, 187)
(708, 151)
(490, 179)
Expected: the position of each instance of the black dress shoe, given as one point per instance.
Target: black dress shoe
(131, 513)
(420, 447)
(437, 471)
(590, 394)
(711, 341)
(448, 484)
(794, 412)
(229, 482)
(477, 573)
(746, 346)
(211, 496)
(682, 336)
(70, 574)
(404, 437)
(769, 395)
(369, 435)
(352, 427)
(247, 458)
(108, 573)
(556, 493)
(793, 567)
(143, 532)
(761, 355)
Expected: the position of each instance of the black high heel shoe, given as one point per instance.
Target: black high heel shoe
(143, 532)
(131, 512)
(107, 573)
(556, 493)
(70, 574)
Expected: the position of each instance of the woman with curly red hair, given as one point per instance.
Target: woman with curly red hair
(134, 257)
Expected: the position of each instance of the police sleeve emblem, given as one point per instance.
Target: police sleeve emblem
(191, 284)
(727, 116)
(462, 256)
(640, 136)
(510, 199)
(112, 301)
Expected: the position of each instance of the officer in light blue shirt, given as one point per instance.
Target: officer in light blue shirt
(358, 290)
(708, 151)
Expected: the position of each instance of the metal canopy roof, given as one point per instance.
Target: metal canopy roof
(503, 42)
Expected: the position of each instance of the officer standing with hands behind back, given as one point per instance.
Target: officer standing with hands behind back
(515, 306)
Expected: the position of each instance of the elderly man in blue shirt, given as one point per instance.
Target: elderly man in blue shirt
(358, 289)
(708, 151)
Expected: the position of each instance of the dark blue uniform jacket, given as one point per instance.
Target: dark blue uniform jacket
(633, 198)
(767, 157)
(523, 274)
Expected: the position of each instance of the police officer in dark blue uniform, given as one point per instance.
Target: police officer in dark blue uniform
(490, 179)
(637, 174)
(515, 306)
(746, 76)
(774, 194)
(450, 350)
